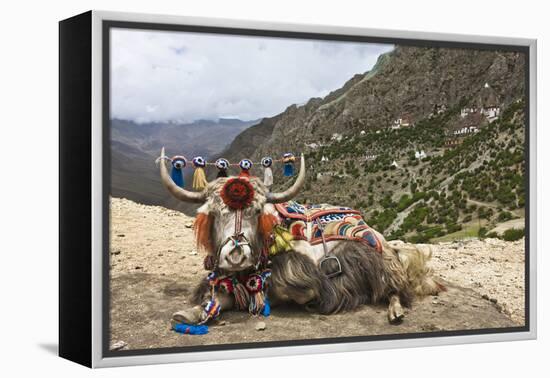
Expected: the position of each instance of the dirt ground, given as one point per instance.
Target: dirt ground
(154, 266)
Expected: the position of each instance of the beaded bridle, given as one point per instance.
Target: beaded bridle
(249, 291)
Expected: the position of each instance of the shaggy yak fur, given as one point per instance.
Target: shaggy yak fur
(368, 277)
(394, 276)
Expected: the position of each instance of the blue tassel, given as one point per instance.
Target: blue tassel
(288, 170)
(177, 176)
(189, 329)
(267, 308)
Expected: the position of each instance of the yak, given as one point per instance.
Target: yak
(234, 226)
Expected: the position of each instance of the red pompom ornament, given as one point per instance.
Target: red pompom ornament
(237, 193)
(254, 283)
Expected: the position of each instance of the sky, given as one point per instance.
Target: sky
(159, 76)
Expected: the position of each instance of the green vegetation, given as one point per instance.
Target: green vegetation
(449, 194)
(513, 234)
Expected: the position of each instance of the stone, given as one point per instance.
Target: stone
(260, 326)
(118, 345)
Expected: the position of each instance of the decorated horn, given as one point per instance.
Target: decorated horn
(179, 193)
(294, 189)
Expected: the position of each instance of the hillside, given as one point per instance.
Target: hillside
(362, 143)
(479, 183)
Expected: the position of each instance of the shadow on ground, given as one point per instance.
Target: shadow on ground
(51, 348)
(142, 305)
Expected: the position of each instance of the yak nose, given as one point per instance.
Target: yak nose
(236, 256)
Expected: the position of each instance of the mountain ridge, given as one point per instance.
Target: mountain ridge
(354, 136)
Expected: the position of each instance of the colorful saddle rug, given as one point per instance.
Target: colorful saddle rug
(312, 222)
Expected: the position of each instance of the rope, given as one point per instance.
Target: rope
(238, 222)
(214, 164)
(254, 162)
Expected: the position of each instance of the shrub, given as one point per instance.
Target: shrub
(513, 234)
(482, 232)
(419, 238)
(384, 219)
(503, 216)
(453, 227)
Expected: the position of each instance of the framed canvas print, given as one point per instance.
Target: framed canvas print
(234, 189)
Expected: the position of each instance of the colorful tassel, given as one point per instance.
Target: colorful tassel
(267, 308)
(257, 303)
(212, 310)
(242, 298)
(199, 177)
(190, 329)
(268, 177)
(288, 161)
(222, 165)
(178, 163)
(282, 240)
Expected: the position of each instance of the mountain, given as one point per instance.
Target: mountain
(428, 144)
(135, 146)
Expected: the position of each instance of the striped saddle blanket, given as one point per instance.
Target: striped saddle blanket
(312, 222)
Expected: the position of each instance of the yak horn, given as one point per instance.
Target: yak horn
(179, 193)
(294, 189)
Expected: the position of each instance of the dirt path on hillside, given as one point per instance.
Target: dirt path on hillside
(154, 266)
(518, 224)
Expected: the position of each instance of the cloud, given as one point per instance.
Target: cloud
(180, 76)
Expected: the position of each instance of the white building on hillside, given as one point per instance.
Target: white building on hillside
(420, 155)
(313, 146)
(337, 137)
(466, 130)
(400, 122)
(490, 107)
(464, 112)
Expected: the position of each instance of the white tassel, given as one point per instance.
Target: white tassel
(268, 177)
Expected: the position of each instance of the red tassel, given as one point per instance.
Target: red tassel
(203, 227)
(266, 222)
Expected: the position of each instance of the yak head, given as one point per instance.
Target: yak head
(236, 217)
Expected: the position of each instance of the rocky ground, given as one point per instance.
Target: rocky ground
(491, 267)
(154, 266)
